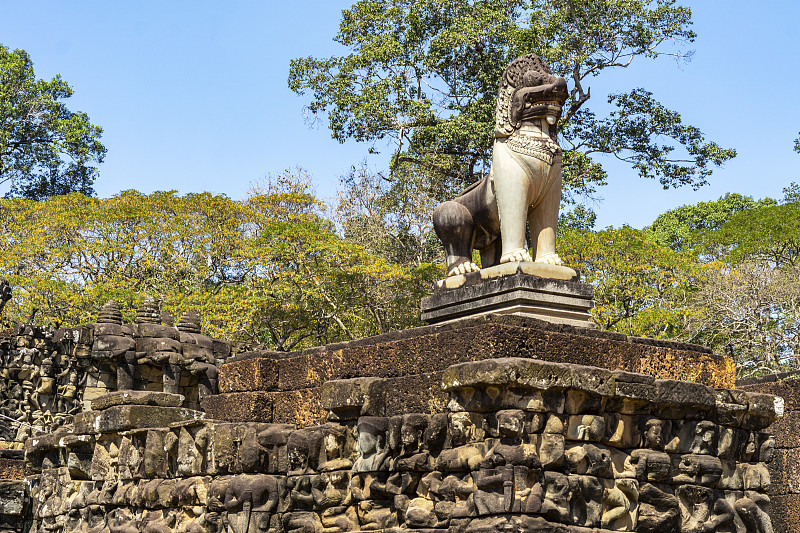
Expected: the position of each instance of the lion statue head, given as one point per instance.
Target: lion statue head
(528, 89)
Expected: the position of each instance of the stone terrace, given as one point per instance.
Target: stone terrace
(279, 387)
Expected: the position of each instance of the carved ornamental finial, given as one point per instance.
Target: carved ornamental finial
(110, 313)
(149, 312)
(189, 323)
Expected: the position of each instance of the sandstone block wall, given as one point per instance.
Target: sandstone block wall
(785, 469)
(48, 376)
(14, 508)
(488, 424)
(286, 388)
(522, 445)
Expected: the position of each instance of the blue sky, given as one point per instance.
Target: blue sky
(192, 95)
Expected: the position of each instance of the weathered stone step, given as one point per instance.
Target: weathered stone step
(433, 348)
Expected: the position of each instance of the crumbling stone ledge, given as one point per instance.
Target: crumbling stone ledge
(521, 445)
(428, 351)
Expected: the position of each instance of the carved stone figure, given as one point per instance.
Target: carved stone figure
(373, 454)
(123, 521)
(407, 470)
(588, 459)
(197, 358)
(587, 428)
(300, 518)
(453, 496)
(149, 312)
(701, 510)
(585, 496)
(192, 446)
(157, 521)
(523, 184)
(370, 472)
(705, 439)
(412, 456)
(753, 517)
(555, 506)
(332, 497)
(461, 455)
(67, 381)
(658, 509)
(334, 440)
(250, 500)
(46, 376)
(766, 449)
(621, 505)
(508, 479)
(698, 469)
(650, 464)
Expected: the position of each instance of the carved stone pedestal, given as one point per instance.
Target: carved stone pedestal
(547, 292)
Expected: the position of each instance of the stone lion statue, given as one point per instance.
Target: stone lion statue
(523, 184)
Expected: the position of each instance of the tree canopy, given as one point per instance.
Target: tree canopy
(677, 227)
(423, 75)
(641, 287)
(267, 270)
(282, 270)
(45, 149)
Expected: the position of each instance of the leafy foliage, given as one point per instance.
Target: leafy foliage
(641, 287)
(750, 311)
(266, 270)
(45, 149)
(677, 227)
(791, 194)
(396, 226)
(423, 75)
(579, 217)
(768, 234)
(748, 303)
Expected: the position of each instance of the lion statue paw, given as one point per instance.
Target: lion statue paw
(464, 268)
(520, 254)
(550, 259)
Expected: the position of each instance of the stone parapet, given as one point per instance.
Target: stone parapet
(517, 444)
(418, 356)
(50, 375)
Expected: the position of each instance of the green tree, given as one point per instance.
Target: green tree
(747, 306)
(423, 75)
(764, 234)
(677, 227)
(396, 226)
(579, 217)
(791, 194)
(750, 312)
(641, 287)
(45, 149)
(268, 269)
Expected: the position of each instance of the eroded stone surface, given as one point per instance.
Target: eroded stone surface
(506, 454)
(133, 397)
(508, 444)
